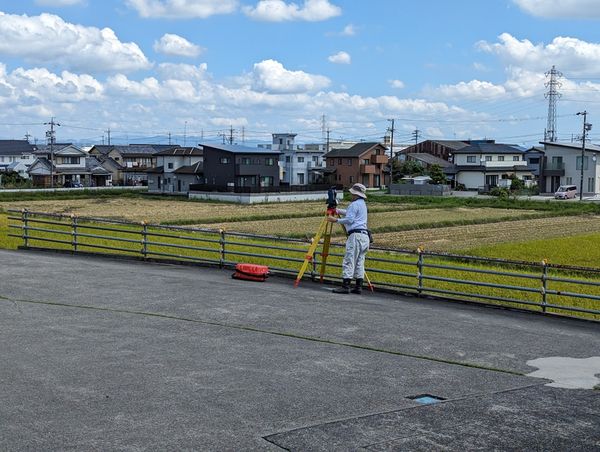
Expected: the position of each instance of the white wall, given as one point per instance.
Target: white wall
(470, 179)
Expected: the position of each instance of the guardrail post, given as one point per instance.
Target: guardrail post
(24, 219)
(144, 239)
(420, 271)
(74, 232)
(544, 284)
(222, 248)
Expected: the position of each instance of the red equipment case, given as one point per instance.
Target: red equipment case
(251, 272)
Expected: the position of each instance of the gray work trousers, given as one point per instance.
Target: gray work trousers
(353, 265)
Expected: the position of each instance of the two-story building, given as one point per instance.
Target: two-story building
(485, 164)
(177, 168)
(364, 163)
(16, 156)
(443, 149)
(562, 164)
(229, 167)
(62, 165)
(134, 159)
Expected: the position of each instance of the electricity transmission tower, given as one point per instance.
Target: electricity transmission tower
(552, 95)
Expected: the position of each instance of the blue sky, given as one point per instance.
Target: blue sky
(146, 68)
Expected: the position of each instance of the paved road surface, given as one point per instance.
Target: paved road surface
(99, 354)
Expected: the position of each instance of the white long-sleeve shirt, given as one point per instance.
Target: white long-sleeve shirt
(355, 217)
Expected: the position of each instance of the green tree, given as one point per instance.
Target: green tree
(437, 174)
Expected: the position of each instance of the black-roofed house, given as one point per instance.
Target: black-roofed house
(135, 160)
(176, 169)
(486, 164)
(16, 156)
(67, 165)
(364, 163)
(443, 149)
(233, 167)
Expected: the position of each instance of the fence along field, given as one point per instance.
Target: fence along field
(530, 286)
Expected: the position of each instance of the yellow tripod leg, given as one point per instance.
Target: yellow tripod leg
(311, 251)
(325, 253)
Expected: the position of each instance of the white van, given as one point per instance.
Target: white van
(566, 192)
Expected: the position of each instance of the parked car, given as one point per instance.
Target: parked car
(566, 192)
(72, 184)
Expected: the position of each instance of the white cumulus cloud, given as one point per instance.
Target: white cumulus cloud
(182, 9)
(567, 54)
(280, 11)
(49, 39)
(271, 76)
(398, 84)
(340, 58)
(171, 44)
(474, 89)
(584, 9)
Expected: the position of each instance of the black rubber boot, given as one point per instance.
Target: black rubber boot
(358, 287)
(345, 287)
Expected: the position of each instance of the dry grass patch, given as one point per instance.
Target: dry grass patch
(471, 236)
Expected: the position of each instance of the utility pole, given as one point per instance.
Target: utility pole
(552, 95)
(416, 134)
(323, 127)
(169, 138)
(586, 128)
(231, 134)
(51, 139)
(391, 129)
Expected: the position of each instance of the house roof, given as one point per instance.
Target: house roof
(180, 151)
(573, 146)
(16, 147)
(429, 159)
(485, 147)
(236, 149)
(355, 151)
(196, 168)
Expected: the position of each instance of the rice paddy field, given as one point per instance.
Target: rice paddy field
(520, 232)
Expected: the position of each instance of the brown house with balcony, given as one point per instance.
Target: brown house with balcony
(365, 163)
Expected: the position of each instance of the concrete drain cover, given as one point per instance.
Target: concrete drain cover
(426, 399)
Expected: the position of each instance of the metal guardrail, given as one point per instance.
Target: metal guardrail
(540, 286)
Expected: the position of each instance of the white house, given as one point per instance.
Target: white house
(176, 169)
(297, 163)
(16, 156)
(561, 165)
(487, 164)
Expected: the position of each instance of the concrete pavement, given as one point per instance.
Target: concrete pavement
(117, 355)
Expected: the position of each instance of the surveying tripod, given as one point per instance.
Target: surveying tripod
(324, 231)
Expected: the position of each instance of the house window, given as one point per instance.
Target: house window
(351, 179)
(170, 165)
(330, 162)
(488, 158)
(225, 160)
(349, 162)
(287, 159)
(534, 161)
(366, 161)
(300, 159)
(585, 163)
(569, 181)
(590, 187)
(315, 158)
(246, 161)
(270, 161)
(339, 161)
(266, 181)
(500, 158)
(300, 178)
(516, 158)
(471, 159)
(1, 159)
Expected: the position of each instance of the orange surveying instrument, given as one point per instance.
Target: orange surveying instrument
(324, 232)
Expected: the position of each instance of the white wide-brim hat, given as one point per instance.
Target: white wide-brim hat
(359, 190)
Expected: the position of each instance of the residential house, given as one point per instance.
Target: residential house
(134, 160)
(297, 163)
(365, 163)
(228, 167)
(485, 164)
(64, 165)
(562, 165)
(443, 149)
(16, 156)
(427, 160)
(176, 169)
